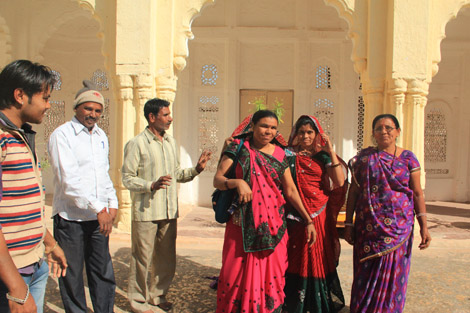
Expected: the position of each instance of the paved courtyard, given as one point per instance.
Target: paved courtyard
(439, 281)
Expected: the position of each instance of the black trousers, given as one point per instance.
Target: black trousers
(83, 243)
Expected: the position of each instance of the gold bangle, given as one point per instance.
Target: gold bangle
(56, 243)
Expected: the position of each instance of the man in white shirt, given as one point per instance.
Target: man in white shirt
(85, 204)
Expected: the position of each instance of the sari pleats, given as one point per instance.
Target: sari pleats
(250, 282)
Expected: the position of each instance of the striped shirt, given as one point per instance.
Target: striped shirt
(22, 205)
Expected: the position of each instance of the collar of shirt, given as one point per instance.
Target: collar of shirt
(79, 127)
(151, 136)
(26, 130)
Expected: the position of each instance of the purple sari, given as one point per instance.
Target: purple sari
(383, 229)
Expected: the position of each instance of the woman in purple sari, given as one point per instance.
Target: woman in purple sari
(386, 195)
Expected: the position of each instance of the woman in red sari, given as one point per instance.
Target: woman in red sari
(254, 256)
(312, 283)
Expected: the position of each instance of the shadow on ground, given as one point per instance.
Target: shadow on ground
(190, 291)
(447, 211)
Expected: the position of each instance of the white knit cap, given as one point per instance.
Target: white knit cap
(88, 94)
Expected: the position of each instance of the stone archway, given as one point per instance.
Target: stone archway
(449, 112)
(262, 45)
(73, 36)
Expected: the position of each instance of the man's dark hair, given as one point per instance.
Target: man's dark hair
(153, 106)
(26, 75)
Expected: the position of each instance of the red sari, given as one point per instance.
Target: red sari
(312, 282)
(254, 257)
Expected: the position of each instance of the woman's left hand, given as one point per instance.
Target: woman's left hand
(425, 238)
(311, 234)
(328, 147)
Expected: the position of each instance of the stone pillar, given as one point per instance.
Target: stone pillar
(396, 100)
(166, 87)
(413, 120)
(144, 85)
(373, 105)
(127, 117)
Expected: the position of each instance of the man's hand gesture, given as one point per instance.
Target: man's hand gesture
(203, 159)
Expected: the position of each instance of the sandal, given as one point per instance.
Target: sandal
(165, 306)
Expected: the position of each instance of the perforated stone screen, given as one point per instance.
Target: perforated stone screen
(208, 114)
(360, 123)
(101, 80)
(323, 77)
(435, 137)
(54, 117)
(209, 75)
(58, 80)
(323, 110)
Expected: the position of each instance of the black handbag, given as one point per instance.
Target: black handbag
(222, 199)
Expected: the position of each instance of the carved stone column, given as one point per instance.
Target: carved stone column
(166, 87)
(144, 85)
(127, 117)
(413, 120)
(396, 100)
(373, 105)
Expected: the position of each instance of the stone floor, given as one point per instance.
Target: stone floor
(439, 280)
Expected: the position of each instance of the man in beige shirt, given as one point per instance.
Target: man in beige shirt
(150, 171)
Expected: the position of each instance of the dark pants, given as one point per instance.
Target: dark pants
(83, 243)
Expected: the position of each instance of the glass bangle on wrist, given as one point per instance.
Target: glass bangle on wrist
(17, 300)
(348, 224)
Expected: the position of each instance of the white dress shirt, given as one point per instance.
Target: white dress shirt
(80, 162)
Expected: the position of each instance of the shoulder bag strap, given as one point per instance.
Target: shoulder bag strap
(231, 172)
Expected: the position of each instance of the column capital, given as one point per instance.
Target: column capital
(166, 87)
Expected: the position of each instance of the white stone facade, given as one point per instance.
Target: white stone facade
(139, 49)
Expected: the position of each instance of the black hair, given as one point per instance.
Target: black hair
(262, 114)
(381, 116)
(154, 106)
(30, 77)
(305, 120)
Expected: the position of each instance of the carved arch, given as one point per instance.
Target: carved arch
(444, 14)
(354, 13)
(344, 7)
(5, 42)
(189, 10)
(82, 5)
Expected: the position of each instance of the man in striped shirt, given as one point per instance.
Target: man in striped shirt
(25, 88)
